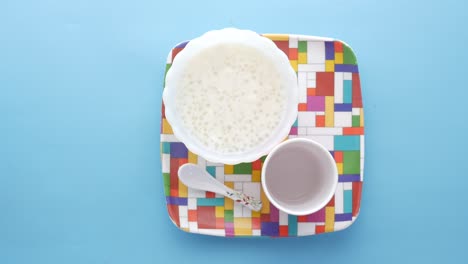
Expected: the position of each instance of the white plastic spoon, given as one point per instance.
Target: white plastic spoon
(197, 178)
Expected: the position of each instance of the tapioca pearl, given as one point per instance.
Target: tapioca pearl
(236, 109)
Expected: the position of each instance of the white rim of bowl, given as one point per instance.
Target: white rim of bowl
(212, 38)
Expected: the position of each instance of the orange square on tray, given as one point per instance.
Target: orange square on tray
(302, 107)
(192, 215)
(311, 91)
(338, 46)
(283, 231)
(338, 156)
(293, 53)
(320, 121)
(219, 223)
(256, 223)
(319, 229)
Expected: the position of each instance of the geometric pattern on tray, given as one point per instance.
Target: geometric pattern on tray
(330, 112)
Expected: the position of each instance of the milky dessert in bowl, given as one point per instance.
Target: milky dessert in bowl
(231, 96)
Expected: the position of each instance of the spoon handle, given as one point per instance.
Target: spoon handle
(195, 177)
(244, 199)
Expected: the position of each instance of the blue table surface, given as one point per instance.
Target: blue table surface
(80, 97)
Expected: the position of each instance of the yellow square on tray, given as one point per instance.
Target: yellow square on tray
(302, 58)
(166, 128)
(293, 64)
(256, 175)
(339, 58)
(243, 226)
(219, 211)
(228, 169)
(329, 66)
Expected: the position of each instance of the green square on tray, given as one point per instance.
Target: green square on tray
(356, 121)
(351, 162)
(168, 66)
(348, 55)
(167, 185)
(243, 168)
(228, 216)
(302, 46)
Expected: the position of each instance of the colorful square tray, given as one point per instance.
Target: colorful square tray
(330, 112)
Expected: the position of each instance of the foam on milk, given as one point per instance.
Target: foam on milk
(231, 98)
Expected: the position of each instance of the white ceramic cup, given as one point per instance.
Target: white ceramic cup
(299, 176)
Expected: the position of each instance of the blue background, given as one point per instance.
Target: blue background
(80, 86)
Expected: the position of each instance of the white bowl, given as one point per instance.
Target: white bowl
(232, 36)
